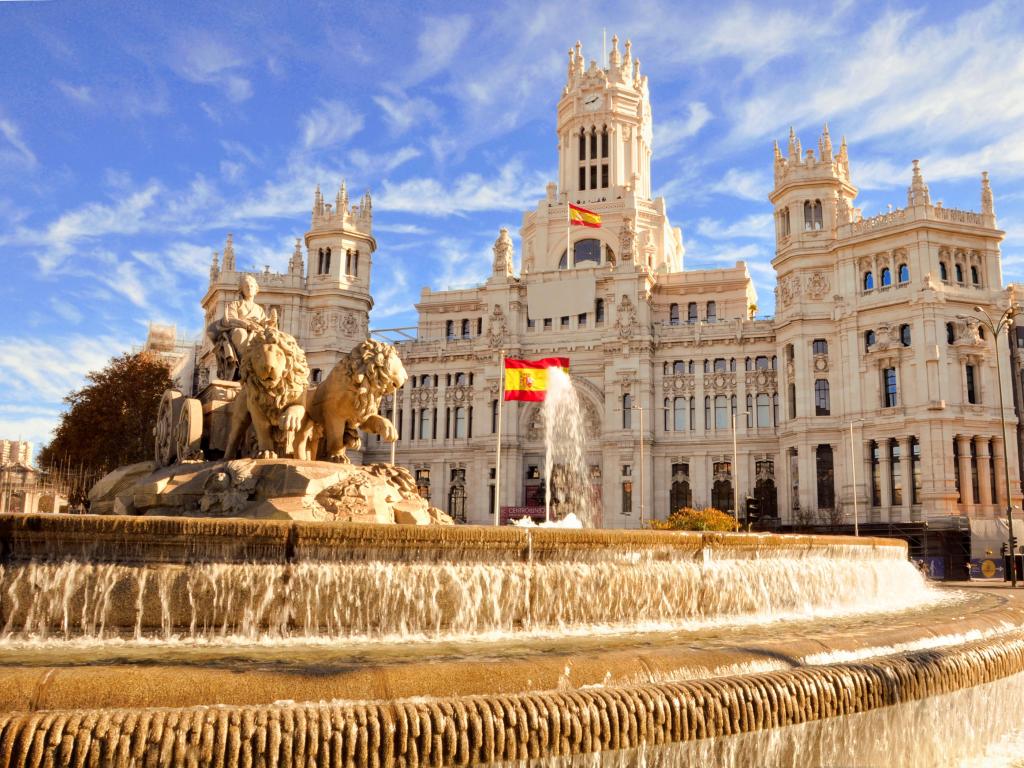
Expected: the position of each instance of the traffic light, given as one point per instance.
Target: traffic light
(1002, 549)
(753, 509)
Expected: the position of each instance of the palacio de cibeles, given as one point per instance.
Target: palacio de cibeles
(595, 510)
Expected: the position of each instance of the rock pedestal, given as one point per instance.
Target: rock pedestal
(287, 489)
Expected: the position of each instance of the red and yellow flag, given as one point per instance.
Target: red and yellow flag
(581, 217)
(528, 379)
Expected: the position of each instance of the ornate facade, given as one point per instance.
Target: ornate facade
(874, 384)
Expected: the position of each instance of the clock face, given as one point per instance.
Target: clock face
(593, 102)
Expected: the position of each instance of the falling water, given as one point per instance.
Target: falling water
(566, 474)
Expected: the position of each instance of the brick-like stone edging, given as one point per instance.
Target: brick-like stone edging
(476, 730)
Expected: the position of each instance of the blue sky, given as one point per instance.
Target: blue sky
(134, 136)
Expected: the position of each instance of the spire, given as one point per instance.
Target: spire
(627, 59)
(778, 152)
(580, 64)
(917, 192)
(229, 254)
(318, 202)
(214, 268)
(826, 144)
(341, 200)
(613, 58)
(295, 266)
(572, 65)
(988, 202)
(793, 153)
(843, 155)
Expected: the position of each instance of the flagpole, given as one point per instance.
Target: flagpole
(497, 456)
(568, 233)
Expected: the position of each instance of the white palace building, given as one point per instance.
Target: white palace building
(875, 328)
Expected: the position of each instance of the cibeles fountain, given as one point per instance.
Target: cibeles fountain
(252, 598)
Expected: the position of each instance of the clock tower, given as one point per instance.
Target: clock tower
(604, 127)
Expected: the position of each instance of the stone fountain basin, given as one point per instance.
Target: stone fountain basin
(552, 696)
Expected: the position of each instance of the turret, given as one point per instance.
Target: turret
(214, 268)
(917, 192)
(988, 203)
(503, 266)
(295, 265)
(340, 241)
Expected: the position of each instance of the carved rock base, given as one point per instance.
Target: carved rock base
(267, 489)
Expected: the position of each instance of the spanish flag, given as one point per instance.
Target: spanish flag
(581, 217)
(528, 379)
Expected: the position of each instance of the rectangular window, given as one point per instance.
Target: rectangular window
(896, 473)
(583, 177)
(495, 405)
(764, 416)
(593, 177)
(424, 423)
(915, 469)
(627, 497)
(531, 323)
(433, 425)
(547, 323)
(691, 312)
(604, 175)
(721, 412)
(972, 390)
(819, 347)
(693, 413)
(707, 412)
(889, 387)
(679, 414)
(581, 320)
(876, 476)
(460, 422)
(604, 143)
(593, 144)
(821, 398)
(792, 401)
(565, 321)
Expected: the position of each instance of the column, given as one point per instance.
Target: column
(870, 511)
(999, 467)
(885, 462)
(984, 474)
(963, 444)
(907, 472)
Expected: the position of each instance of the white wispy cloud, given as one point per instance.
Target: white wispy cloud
(439, 41)
(403, 112)
(16, 150)
(204, 59)
(671, 133)
(381, 164)
(81, 94)
(43, 370)
(755, 226)
(514, 188)
(744, 184)
(330, 123)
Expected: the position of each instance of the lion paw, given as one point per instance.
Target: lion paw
(266, 455)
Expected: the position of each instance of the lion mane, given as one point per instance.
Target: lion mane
(291, 389)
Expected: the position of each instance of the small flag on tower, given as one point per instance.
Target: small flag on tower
(581, 217)
(528, 379)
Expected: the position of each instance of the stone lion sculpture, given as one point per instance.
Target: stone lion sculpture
(349, 400)
(274, 376)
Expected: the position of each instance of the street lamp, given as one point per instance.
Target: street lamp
(853, 474)
(736, 470)
(997, 327)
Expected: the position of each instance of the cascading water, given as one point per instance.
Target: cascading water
(567, 482)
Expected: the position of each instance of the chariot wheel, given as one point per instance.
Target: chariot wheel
(188, 433)
(165, 450)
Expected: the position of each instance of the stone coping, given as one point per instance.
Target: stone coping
(157, 539)
(483, 729)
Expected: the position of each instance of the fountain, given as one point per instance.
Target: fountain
(225, 618)
(566, 474)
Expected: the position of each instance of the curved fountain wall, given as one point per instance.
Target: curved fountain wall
(126, 578)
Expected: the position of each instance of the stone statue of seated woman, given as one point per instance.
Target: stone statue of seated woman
(230, 335)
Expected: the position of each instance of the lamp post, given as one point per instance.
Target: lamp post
(853, 475)
(736, 470)
(997, 327)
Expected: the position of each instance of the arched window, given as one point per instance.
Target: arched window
(943, 271)
(905, 335)
(950, 333)
(673, 314)
(320, 262)
(707, 412)
(315, 375)
(869, 340)
(667, 426)
(826, 477)
(692, 367)
(903, 274)
(327, 261)
(712, 312)
(457, 503)
(599, 311)
(449, 329)
(818, 220)
(819, 347)
(680, 495)
(959, 273)
(822, 405)
(593, 143)
(732, 364)
(721, 495)
(748, 364)
(750, 411)
(691, 312)
(869, 281)
(808, 216)
(761, 363)
(679, 367)
(604, 143)
(974, 276)
(627, 411)
(886, 277)
(465, 329)
(679, 408)
(720, 365)
(355, 264)
(583, 145)
(348, 261)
